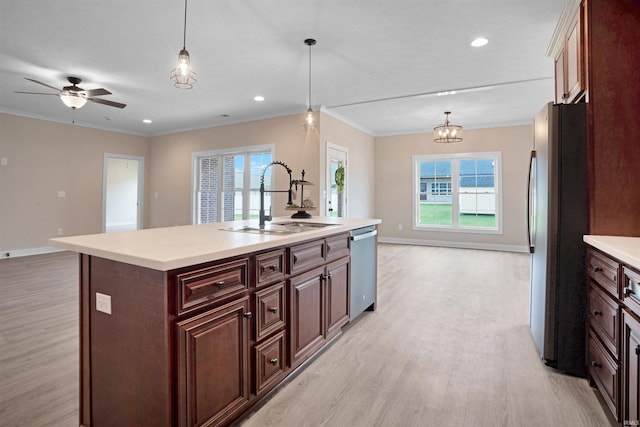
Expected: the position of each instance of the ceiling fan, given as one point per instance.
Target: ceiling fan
(74, 96)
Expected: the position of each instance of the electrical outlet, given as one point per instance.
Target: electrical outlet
(103, 303)
(60, 231)
(62, 193)
(4, 161)
(400, 227)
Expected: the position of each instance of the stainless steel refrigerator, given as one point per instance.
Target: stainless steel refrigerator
(557, 220)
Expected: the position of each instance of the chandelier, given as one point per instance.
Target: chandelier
(447, 132)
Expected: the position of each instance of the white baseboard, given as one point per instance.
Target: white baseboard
(14, 253)
(460, 245)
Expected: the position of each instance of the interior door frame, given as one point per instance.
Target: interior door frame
(326, 178)
(105, 170)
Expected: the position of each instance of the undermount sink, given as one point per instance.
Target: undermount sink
(287, 227)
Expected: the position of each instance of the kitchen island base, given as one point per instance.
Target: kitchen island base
(201, 345)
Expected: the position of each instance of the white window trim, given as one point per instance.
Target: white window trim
(454, 188)
(195, 157)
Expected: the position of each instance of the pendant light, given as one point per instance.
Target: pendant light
(309, 123)
(447, 132)
(183, 77)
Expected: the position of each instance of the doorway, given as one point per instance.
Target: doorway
(337, 182)
(122, 193)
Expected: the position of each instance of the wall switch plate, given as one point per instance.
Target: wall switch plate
(103, 303)
(4, 161)
(60, 231)
(61, 193)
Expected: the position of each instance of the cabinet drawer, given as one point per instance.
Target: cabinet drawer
(270, 310)
(305, 256)
(604, 316)
(604, 271)
(604, 371)
(270, 362)
(212, 284)
(269, 267)
(631, 290)
(337, 246)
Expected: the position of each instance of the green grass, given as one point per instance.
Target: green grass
(441, 214)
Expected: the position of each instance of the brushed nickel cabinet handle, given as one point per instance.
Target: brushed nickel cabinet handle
(220, 283)
(595, 364)
(273, 267)
(248, 314)
(596, 313)
(273, 361)
(273, 309)
(597, 269)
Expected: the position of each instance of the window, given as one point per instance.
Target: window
(227, 184)
(458, 192)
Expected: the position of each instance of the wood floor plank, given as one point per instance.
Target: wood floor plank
(449, 345)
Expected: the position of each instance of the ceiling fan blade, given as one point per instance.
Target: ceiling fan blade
(105, 102)
(43, 84)
(96, 92)
(36, 93)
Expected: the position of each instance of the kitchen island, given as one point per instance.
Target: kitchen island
(193, 325)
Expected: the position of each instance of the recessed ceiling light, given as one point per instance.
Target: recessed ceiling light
(147, 121)
(480, 41)
(258, 98)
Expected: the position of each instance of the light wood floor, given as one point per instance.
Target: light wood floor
(449, 345)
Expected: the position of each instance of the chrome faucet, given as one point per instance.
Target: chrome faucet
(264, 217)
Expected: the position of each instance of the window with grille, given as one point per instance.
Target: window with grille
(227, 184)
(458, 192)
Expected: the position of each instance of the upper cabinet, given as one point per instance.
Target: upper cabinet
(567, 47)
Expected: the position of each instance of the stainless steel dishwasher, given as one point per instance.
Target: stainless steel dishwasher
(363, 276)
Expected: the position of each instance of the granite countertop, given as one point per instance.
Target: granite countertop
(626, 249)
(181, 246)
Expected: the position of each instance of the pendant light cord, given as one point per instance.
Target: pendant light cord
(310, 75)
(184, 34)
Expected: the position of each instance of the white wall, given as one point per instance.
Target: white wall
(44, 158)
(393, 186)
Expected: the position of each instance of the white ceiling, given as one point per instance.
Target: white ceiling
(378, 64)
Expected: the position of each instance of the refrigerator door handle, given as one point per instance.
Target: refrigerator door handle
(531, 205)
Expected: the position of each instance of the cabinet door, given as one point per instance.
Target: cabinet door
(574, 68)
(560, 78)
(307, 314)
(631, 385)
(337, 288)
(213, 365)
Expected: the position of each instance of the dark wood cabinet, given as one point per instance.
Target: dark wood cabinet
(213, 365)
(569, 63)
(613, 342)
(596, 46)
(307, 320)
(631, 368)
(603, 326)
(270, 362)
(337, 296)
(200, 345)
(319, 297)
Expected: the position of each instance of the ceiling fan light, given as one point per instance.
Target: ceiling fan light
(73, 101)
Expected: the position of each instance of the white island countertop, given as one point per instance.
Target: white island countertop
(626, 249)
(181, 246)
